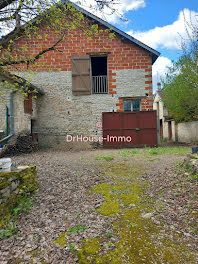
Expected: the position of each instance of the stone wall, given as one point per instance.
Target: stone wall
(15, 184)
(60, 113)
(187, 132)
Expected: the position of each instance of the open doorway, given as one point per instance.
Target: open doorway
(99, 75)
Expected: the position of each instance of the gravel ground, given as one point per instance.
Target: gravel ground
(63, 200)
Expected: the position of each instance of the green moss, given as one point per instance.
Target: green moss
(4, 184)
(138, 236)
(7, 177)
(109, 208)
(89, 251)
(28, 184)
(61, 240)
(5, 209)
(34, 253)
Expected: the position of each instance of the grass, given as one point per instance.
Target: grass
(173, 150)
(127, 153)
(103, 157)
(177, 151)
(124, 153)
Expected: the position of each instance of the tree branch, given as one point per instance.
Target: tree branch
(15, 15)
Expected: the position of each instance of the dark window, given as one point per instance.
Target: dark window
(99, 75)
(132, 106)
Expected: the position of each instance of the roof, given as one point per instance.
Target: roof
(155, 54)
(20, 80)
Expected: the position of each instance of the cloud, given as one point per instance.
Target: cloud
(160, 68)
(169, 36)
(121, 7)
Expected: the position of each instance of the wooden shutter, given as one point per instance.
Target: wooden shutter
(81, 81)
(28, 105)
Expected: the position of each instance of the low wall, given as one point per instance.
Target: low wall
(187, 132)
(15, 184)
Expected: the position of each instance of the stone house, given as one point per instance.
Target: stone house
(110, 75)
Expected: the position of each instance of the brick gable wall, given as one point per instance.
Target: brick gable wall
(122, 56)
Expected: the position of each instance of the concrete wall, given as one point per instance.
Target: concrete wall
(187, 132)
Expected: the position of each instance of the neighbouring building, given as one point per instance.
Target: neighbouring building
(185, 132)
(166, 123)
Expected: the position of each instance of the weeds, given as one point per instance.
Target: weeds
(124, 153)
(76, 229)
(22, 205)
(107, 158)
(127, 153)
(109, 234)
(185, 168)
(72, 246)
(153, 152)
(196, 177)
(8, 231)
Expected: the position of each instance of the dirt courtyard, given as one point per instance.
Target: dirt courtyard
(108, 206)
